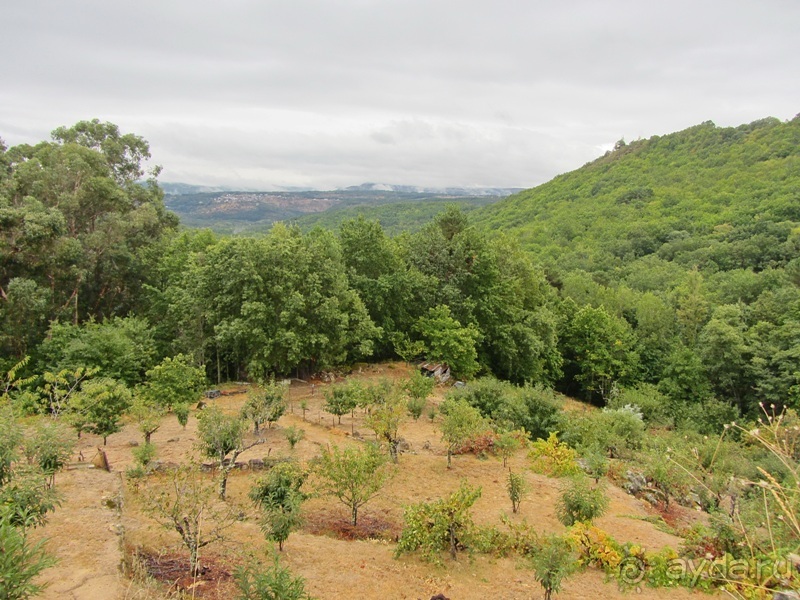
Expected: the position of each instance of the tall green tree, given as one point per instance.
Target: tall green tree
(354, 476)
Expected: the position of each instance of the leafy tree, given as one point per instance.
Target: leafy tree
(99, 406)
(351, 475)
(184, 502)
(600, 351)
(146, 414)
(58, 389)
(340, 400)
(418, 386)
(507, 443)
(443, 525)
(461, 422)
(173, 382)
(76, 222)
(119, 348)
(264, 404)
(385, 421)
(447, 341)
(552, 561)
(221, 438)
(279, 497)
(26, 486)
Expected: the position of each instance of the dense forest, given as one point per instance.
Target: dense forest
(671, 262)
(660, 282)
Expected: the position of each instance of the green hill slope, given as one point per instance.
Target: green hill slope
(711, 197)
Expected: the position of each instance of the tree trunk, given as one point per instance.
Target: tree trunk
(223, 482)
(147, 435)
(355, 515)
(449, 454)
(393, 450)
(453, 542)
(194, 566)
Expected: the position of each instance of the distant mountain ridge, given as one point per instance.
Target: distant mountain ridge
(240, 211)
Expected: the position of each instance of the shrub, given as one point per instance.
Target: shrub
(652, 404)
(416, 406)
(554, 458)
(20, 560)
(144, 454)
(274, 583)
(516, 487)
(443, 525)
(552, 561)
(612, 431)
(293, 435)
(532, 408)
(581, 503)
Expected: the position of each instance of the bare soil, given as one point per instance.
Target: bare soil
(99, 528)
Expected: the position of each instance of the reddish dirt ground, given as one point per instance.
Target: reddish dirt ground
(90, 531)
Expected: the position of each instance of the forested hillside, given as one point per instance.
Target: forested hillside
(690, 245)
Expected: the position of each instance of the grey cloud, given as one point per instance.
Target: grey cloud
(452, 92)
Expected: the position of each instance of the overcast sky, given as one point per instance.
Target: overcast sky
(330, 93)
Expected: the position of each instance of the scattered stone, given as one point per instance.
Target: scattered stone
(171, 440)
(133, 443)
(785, 595)
(403, 445)
(634, 482)
(426, 445)
(439, 597)
(256, 464)
(207, 467)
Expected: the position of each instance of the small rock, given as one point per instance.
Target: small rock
(133, 443)
(173, 440)
(112, 502)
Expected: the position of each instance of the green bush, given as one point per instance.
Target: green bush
(20, 560)
(439, 526)
(533, 408)
(274, 583)
(144, 454)
(552, 560)
(579, 502)
(652, 404)
(611, 431)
